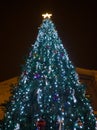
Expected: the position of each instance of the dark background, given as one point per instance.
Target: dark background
(75, 21)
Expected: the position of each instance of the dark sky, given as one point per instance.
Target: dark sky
(76, 23)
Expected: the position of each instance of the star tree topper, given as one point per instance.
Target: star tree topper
(46, 15)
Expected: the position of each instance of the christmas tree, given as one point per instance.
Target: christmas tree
(49, 95)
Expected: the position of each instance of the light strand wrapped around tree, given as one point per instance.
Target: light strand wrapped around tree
(49, 95)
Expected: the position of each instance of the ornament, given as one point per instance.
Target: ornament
(24, 79)
(62, 109)
(37, 76)
(35, 54)
(56, 97)
(73, 95)
(48, 47)
(62, 54)
(39, 95)
(41, 124)
(30, 54)
(25, 73)
(60, 121)
(78, 124)
(17, 127)
(55, 51)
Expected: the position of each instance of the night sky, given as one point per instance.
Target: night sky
(76, 23)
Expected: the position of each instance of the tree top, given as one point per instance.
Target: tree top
(46, 15)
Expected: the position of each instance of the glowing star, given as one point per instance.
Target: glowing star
(46, 15)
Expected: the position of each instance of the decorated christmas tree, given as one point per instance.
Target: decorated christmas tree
(49, 95)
